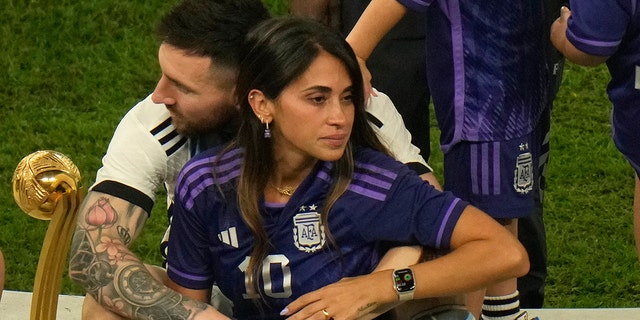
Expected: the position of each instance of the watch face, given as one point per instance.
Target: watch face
(404, 280)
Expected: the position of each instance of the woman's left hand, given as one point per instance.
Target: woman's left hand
(349, 298)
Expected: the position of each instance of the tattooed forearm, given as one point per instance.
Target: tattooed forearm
(149, 299)
(101, 262)
(124, 285)
(164, 304)
(84, 266)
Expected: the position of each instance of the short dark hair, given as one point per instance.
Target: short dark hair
(212, 28)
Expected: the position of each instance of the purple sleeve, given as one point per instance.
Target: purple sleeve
(188, 258)
(414, 214)
(431, 215)
(597, 27)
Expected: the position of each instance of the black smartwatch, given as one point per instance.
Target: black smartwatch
(404, 283)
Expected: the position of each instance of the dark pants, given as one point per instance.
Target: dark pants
(531, 231)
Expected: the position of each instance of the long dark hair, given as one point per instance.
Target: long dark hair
(279, 51)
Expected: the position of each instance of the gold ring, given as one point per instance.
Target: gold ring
(326, 314)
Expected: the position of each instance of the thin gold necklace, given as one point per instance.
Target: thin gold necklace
(285, 190)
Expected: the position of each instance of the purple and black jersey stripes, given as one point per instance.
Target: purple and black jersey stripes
(487, 66)
(386, 202)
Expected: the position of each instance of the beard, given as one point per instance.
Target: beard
(199, 126)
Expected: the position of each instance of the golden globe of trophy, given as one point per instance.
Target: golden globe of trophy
(47, 186)
(43, 179)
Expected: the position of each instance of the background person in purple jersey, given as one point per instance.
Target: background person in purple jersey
(288, 209)
(598, 31)
(492, 76)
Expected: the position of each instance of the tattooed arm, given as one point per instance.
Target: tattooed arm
(101, 263)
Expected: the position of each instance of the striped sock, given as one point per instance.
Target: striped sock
(502, 307)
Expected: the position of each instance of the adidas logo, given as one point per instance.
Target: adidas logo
(229, 237)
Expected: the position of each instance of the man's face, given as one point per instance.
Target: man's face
(199, 96)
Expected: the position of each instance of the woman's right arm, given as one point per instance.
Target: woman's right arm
(483, 253)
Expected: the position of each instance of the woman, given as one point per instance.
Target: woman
(306, 195)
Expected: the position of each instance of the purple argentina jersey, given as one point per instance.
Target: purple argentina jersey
(488, 67)
(210, 242)
(612, 28)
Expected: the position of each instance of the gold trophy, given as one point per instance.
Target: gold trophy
(47, 186)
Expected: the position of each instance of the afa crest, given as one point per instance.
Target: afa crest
(308, 231)
(523, 175)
